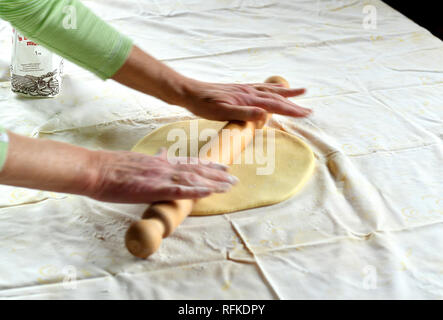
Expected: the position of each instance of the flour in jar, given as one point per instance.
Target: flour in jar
(35, 71)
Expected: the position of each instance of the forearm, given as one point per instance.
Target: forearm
(94, 45)
(47, 165)
(114, 176)
(144, 73)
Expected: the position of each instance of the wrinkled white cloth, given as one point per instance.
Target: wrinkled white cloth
(367, 224)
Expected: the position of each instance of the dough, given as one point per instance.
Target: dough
(294, 164)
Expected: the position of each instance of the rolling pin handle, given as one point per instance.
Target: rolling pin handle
(158, 221)
(144, 237)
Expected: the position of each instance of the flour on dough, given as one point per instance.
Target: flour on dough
(294, 164)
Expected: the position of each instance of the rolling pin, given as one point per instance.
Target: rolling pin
(161, 218)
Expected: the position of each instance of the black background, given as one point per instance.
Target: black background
(428, 14)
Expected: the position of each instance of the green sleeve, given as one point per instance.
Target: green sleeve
(3, 147)
(71, 30)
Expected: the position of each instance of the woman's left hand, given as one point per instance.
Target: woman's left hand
(218, 101)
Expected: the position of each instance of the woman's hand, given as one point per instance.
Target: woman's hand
(138, 178)
(217, 101)
(114, 176)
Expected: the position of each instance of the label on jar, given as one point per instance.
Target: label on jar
(35, 71)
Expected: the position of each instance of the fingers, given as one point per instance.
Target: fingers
(270, 98)
(281, 106)
(216, 165)
(182, 162)
(210, 173)
(280, 90)
(243, 113)
(269, 91)
(188, 186)
(177, 192)
(285, 92)
(197, 180)
(187, 164)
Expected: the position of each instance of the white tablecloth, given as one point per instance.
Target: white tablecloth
(367, 225)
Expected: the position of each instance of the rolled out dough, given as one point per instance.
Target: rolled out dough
(294, 164)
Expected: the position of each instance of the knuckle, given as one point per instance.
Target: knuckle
(221, 176)
(176, 191)
(274, 96)
(189, 177)
(244, 88)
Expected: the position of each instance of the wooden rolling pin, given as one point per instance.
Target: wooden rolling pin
(144, 237)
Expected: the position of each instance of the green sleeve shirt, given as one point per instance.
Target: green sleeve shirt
(71, 30)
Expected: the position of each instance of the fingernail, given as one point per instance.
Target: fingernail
(223, 187)
(220, 165)
(233, 179)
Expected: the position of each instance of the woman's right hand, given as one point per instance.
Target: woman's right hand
(130, 177)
